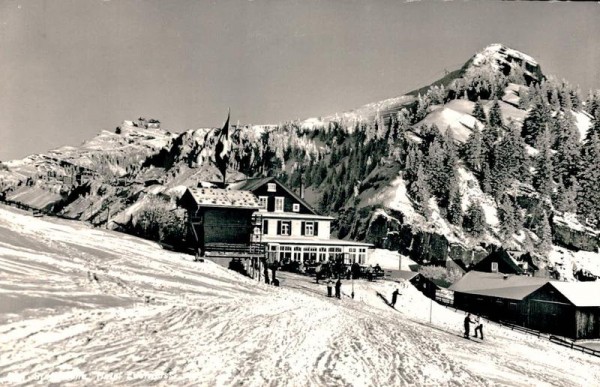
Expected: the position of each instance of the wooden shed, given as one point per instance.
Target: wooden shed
(495, 295)
(220, 219)
(570, 309)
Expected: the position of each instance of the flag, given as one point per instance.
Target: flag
(223, 148)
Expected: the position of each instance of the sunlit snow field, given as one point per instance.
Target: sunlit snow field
(84, 306)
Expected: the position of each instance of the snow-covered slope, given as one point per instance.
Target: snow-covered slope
(87, 306)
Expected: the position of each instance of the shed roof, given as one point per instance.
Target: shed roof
(583, 294)
(403, 274)
(514, 287)
(218, 197)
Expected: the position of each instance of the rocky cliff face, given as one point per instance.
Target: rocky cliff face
(571, 234)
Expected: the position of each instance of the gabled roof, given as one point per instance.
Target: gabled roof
(255, 183)
(250, 184)
(500, 255)
(580, 293)
(217, 197)
(514, 287)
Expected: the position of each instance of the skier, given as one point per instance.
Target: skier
(468, 321)
(338, 288)
(394, 298)
(478, 326)
(329, 285)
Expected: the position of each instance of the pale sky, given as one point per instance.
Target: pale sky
(70, 68)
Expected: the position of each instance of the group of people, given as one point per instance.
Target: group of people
(478, 322)
(338, 288)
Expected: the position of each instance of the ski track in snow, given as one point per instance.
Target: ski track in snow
(89, 306)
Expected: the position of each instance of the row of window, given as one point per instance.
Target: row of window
(279, 204)
(317, 254)
(284, 227)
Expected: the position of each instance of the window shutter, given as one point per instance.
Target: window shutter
(279, 227)
(303, 229)
(316, 229)
(265, 227)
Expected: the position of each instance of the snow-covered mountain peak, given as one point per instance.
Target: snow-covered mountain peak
(501, 58)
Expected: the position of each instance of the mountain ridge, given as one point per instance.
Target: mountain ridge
(361, 165)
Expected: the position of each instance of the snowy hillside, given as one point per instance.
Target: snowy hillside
(106, 309)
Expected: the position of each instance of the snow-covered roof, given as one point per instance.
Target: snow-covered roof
(217, 197)
(514, 287)
(404, 274)
(580, 293)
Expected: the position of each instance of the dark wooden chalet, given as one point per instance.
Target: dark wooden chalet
(507, 262)
(425, 285)
(221, 222)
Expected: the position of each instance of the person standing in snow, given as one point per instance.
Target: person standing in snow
(394, 297)
(338, 288)
(468, 323)
(479, 326)
(329, 286)
(318, 272)
(370, 273)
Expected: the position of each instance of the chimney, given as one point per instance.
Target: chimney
(302, 189)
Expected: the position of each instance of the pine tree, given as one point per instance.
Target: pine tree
(507, 214)
(495, 118)
(566, 159)
(324, 202)
(595, 129)
(473, 150)
(544, 233)
(565, 199)
(414, 159)
(420, 191)
(555, 100)
(566, 101)
(478, 112)
(455, 215)
(538, 119)
(474, 220)
(486, 179)
(507, 160)
(543, 175)
(588, 197)
(524, 99)
(490, 135)
(421, 112)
